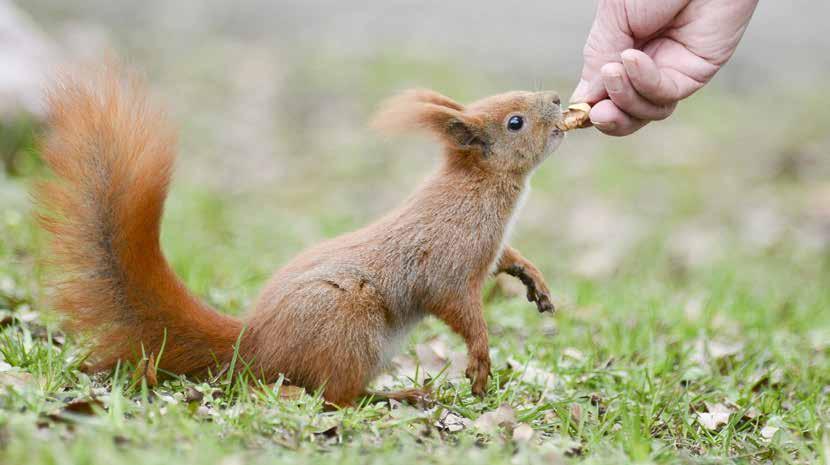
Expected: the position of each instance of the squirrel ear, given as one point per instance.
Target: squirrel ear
(430, 96)
(427, 110)
(459, 131)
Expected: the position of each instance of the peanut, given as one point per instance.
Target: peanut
(576, 116)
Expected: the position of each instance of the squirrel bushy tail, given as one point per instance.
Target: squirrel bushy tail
(112, 157)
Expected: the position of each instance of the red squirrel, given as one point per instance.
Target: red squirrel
(333, 316)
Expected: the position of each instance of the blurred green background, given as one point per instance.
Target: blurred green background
(711, 226)
(271, 99)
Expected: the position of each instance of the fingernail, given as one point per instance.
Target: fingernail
(614, 83)
(629, 56)
(579, 93)
(605, 127)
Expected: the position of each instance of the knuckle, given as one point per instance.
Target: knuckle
(664, 112)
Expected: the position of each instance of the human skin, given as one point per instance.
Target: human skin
(643, 56)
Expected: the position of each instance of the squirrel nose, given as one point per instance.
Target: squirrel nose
(550, 96)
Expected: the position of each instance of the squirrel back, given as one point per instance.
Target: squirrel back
(112, 156)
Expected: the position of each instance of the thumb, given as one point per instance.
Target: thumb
(588, 91)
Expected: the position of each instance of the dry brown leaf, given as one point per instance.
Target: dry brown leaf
(522, 433)
(78, 407)
(716, 416)
(432, 357)
(573, 353)
(192, 394)
(554, 458)
(532, 375)
(720, 349)
(83, 406)
(704, 350)
(15, 379)
(576, 413)
(489, 422)
(451, 422)
(288, 392)
(767, 432)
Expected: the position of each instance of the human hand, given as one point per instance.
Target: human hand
(644, 56)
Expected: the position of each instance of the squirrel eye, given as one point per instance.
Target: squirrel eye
(515, 123)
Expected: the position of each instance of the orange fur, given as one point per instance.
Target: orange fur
(332, 316)
(112, 157)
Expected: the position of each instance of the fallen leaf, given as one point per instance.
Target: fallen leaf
(532, 375)
(288, 392)
(719, 349)
(192, 394)
(751, 414)
(27, 316)
(705, 350)
(554, 458)
(430, 359)
(15, 379)
(489, 422)
(576, 413)
(384, 381)
(83, 406)
(79, 407)
(767, 432)
(716, 416)
(573, 353)
(522, 433)
(435, 354)
(451, 422)
(167, 398)
(327, 427)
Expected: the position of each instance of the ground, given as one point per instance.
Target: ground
(689, 264)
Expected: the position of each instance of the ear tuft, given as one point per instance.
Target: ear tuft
(421, 109)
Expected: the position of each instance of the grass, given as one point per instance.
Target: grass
(675, 300)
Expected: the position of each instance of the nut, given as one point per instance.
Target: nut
(576, 116)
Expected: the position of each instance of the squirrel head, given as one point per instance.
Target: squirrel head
(506, 133)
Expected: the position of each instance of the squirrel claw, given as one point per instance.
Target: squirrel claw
(537, 290)
(545, 305)
(477, 372)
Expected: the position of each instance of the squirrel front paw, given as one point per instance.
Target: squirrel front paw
(542, 300)
(478, 370)
(537, 288)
